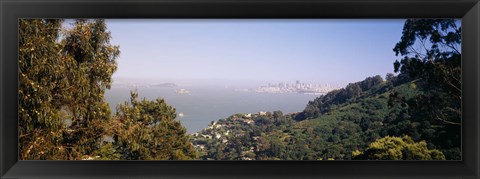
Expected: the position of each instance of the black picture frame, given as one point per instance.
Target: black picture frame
(467, 10)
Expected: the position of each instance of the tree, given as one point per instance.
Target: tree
(398, 148)
(277, 114)
(313, 109)
(353, 90)
(434, 44)
(389, 77)
(63, 114)
(90, 64)
(147, 130)
(432, 60)
(63, 75)
(370, 82)
(40, 119)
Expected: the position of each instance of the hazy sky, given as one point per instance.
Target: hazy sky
(319, 51)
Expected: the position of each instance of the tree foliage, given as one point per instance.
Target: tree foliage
(147, 130)
(63, 114)
(399, 148)
(40, 125)
(324, 103)
(432, 58)
(56, 85)
(431, 52)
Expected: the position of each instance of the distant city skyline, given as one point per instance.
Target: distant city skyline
(314, 51)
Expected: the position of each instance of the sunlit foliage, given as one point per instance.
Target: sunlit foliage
(147, 130)
(63, 114)
(63, 77)
(398, 148)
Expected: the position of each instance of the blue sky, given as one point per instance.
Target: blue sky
(316, 51)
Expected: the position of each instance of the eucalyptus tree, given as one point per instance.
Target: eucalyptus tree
(63, 74)
(430, 51)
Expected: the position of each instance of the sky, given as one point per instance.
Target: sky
(314, 51)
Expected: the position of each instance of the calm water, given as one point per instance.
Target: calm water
(206, 104)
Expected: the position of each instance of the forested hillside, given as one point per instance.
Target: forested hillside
(414, 115)
(343, 127)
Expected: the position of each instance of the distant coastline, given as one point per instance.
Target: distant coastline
(137, 85)
(302, 88)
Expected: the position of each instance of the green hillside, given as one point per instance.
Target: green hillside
(415, 115)
(346, 123)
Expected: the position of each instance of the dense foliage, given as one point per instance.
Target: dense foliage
(147, 130)
(63, 114)
(431, 54)
(63, 76)
(396, 148)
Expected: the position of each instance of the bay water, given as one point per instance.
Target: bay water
(205, 104)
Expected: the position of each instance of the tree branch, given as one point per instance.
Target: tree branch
(447, 121)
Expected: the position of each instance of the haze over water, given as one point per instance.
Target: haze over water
(206, 103)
